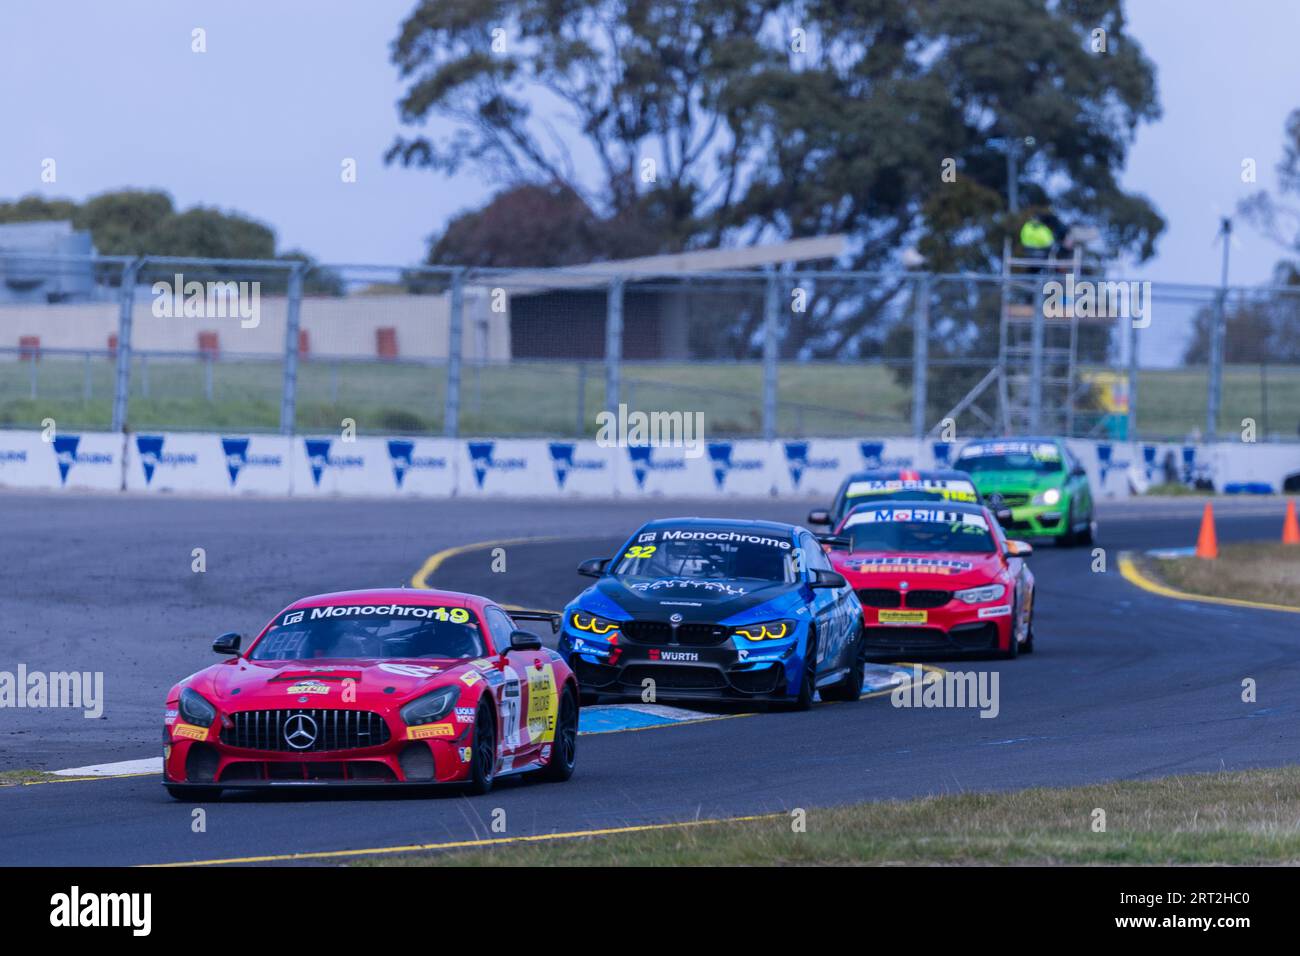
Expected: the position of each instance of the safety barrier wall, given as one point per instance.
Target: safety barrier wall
(198, 463)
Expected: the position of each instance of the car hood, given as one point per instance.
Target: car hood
(943, 570)
(244, 684)
(694, 600)
(989, 482)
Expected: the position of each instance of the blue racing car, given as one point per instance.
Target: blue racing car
(703, 608)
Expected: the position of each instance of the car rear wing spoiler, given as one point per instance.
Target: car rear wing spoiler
(550, 617)
(836, 542)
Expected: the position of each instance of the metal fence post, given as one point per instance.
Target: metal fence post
(1215, 390)
(1131, 431)
(613, 343)
(770, 353)
(1036, 363)
(293, 313)
(455, 337)
(126, 304)
(920, 353)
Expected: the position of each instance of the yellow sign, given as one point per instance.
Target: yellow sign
(190, 731)
(542, 704)
(425, 731)
(903, 617)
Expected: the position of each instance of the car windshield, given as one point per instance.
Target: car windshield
(371, 632)
(894, 530)
(907, 489)
(1041, 457)
(706, 554)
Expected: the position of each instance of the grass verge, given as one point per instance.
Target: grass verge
(1248, 817)
(1249, 572)
(11, 778)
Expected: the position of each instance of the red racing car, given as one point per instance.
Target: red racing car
(373, 688)
(936, 578)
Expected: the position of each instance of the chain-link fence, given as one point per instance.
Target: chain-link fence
(165, 344)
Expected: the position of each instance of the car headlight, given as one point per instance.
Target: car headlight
(766, 630)
(431, 707)
(1049, 497)
(591, 623)
(991, 592)
(195, 708)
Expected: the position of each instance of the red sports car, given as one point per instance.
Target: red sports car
(375, 687)
(936, 577)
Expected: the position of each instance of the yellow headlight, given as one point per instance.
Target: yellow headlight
(589, 622)
(767, 631)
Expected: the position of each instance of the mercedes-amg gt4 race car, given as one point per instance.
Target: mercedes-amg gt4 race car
(936, 578)
(701, 608)
(898, 484)
(380, 687)
(1039, 480)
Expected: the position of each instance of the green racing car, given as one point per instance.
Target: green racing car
(1039, 479)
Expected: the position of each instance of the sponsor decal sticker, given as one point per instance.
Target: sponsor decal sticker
(309, 687)
(425, 731)
(903, 617)
(409, 670)
(190, 731)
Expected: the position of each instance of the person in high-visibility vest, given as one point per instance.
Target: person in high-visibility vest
(1037, 238)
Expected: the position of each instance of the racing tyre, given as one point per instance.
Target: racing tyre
(483, 760)
(564, 750)
(193, 794)
(1084, 537)
(1013, 651)
(850, 688)
(808, 684)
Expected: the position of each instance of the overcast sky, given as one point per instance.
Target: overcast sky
(286, 90)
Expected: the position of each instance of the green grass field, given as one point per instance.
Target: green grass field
(1244, 818)
(562, 398)
(1267, 572)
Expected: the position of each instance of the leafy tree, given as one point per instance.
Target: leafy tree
(767, 119)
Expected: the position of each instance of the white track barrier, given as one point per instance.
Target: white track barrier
(329, 466)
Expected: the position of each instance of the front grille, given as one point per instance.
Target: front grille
(925, 599)
(661, 632)
(647, 632)
(1011, 499)
(878, 597)
(701, 635)
(332, 729)
(676, 677)
(897, 636)
(762, 680)
(593, 675)
(975, 636)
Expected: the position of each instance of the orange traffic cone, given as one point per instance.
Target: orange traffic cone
(1207, 545)
(1290, 527)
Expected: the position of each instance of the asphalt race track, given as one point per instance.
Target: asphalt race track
(1123, 684)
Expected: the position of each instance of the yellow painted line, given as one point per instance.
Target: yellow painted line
(471, 844)
(112, 776)
(1129, 569)
(434, 561)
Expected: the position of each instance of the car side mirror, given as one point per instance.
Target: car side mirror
(593, 567)
(827, 579)
(1004, 516)
(227, 643)
(1019, 549)
(819, 516)
(836, 542)
(525, 641)
(1078, 471)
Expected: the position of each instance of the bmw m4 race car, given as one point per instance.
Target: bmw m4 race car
(898, 484)
(936, 577)
(374, 688)
(701, 608)
(1039, 480)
